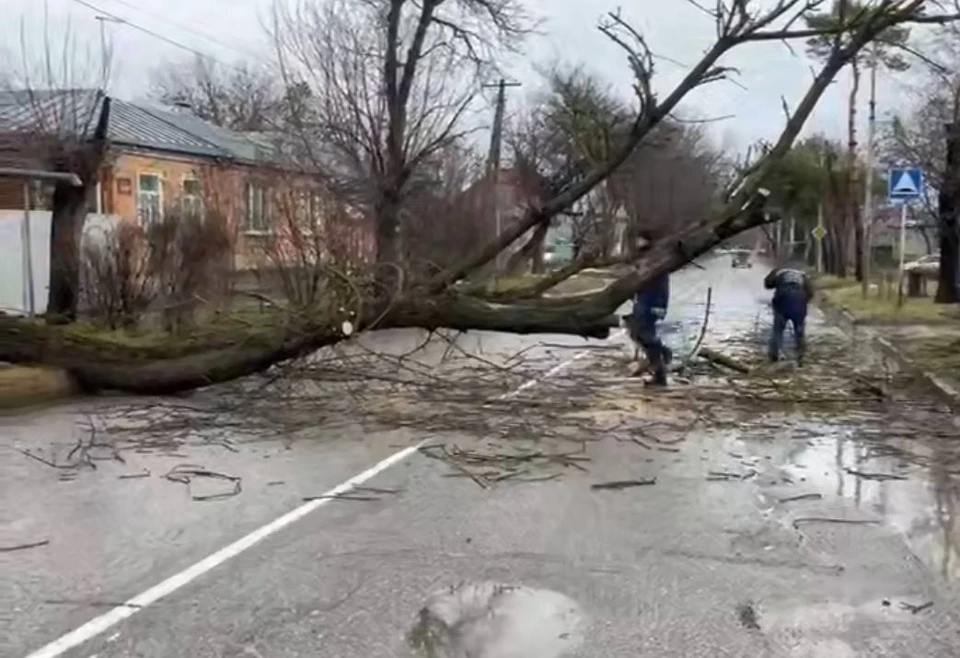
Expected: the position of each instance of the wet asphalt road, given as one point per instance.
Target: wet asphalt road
(772, 529)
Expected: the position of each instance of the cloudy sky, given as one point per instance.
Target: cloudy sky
(229, 30)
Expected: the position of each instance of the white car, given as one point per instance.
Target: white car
(928, 265)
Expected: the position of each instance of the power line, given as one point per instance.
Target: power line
(156, 35)
(186, 28)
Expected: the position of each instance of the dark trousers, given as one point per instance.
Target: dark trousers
(790, 308)
(658, 354)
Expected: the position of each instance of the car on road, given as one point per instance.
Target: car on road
(928, 265)
(555, 255)
(741, 259)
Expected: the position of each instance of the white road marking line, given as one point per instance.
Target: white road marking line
(104, 622)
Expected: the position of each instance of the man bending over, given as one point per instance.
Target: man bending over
(792, 292)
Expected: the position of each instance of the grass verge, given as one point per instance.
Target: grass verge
(877, 309)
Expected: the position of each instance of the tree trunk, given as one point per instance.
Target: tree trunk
(853, 201)
(531, 252)
(66, 228)
(67, 218)
(947, 292)
(388, 240)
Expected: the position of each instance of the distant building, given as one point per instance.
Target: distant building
(159, 159)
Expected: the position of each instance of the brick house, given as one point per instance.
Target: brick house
(161, 159)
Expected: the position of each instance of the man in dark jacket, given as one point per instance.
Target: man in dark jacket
(792, 292)
(650, 307)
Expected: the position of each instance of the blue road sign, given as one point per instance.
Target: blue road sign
(905, 184)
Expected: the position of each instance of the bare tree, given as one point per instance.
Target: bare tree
(374, 117)
(669, 180)
(243, 97)
(886, 50)
(55, 118)
(928, 137)
(391, 84)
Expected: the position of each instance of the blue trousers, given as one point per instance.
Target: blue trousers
(790, 308)
(647, 334)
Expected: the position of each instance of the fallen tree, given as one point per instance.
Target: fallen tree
(442, 301)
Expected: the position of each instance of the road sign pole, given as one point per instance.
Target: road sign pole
(819, 237)
(903, 234)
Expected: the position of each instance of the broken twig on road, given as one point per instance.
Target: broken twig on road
(914, 609)
(624, 484)
(880, 477)
(807, 496)
(826, 519)
(186, 473)
(23, 547)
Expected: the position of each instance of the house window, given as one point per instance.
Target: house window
(149, 199)
(301, 209)
(191, 198)
(316, 211)
(257, 219)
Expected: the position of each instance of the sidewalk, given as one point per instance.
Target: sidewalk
(920, 334)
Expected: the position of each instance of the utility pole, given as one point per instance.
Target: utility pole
(865, 244)
(819, 232)
(819, 237)
(493, 159)
(104, 63)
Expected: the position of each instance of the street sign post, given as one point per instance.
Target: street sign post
(903, 186)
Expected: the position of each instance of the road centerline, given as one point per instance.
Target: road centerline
(100, 624)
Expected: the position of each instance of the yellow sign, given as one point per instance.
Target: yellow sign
(819, 232)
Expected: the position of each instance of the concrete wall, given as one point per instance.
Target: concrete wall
(13, 253)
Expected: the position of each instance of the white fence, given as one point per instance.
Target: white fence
(13, 288)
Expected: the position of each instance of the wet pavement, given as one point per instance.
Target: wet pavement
(555, 507)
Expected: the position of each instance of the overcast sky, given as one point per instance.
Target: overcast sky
(231, 29)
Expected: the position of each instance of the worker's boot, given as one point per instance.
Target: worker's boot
(667, 355)
(659, 370)
(659, 379)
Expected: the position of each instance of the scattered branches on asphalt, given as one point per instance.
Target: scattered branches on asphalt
(489, 468)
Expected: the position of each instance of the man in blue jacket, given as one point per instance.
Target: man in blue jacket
(792, 292)
(650, 307)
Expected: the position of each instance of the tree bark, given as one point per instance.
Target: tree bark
(853, 199)
(67, 219)
(531, 252)
(66, 228)
(947, 292)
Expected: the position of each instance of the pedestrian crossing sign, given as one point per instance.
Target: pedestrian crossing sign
(905, 184)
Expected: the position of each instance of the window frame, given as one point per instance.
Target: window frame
(158, 194)
(198, 197)
(266, 226)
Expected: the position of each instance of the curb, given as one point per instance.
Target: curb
(849, 324)
(948, 392)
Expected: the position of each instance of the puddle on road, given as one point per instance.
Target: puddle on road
(915, 493)
(893, 470)
(491, 620)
